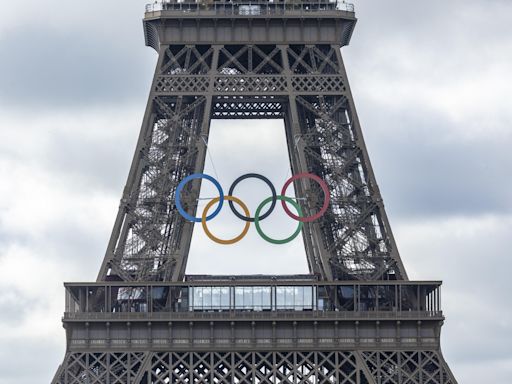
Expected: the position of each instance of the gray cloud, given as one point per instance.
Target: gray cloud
(423, 172)
(468, 253)
(14, 306)
(94, 162)
(63, 71)
(432, 92)
(21, 354)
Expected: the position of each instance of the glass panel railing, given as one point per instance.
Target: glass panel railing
(249, 7)
(404, 297)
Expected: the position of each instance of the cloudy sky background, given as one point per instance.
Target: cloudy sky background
(432, 82)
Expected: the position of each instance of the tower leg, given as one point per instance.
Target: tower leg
(150, 240)
(353, 239)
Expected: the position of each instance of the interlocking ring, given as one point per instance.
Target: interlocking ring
(207, 230)
(327, 197)
(257, 217)
(182, 185)
(266, 181)
(257, 220)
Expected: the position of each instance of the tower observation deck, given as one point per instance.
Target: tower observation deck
(355, 318)
(257, 21)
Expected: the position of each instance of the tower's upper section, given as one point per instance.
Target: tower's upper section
(248, 22)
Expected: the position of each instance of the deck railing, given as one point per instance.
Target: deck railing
(250, 7)
(219, 298)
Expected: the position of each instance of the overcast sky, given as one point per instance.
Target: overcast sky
(432, 82)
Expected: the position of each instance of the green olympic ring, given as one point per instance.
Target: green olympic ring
(257, 220)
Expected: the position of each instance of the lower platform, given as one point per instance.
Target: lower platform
(246, 332)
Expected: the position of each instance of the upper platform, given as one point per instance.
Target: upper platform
(248, 22)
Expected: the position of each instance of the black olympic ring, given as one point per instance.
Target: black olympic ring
(266, 181)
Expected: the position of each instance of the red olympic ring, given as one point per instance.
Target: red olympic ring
(325, 189)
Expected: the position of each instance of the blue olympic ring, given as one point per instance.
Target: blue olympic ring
(182, 185)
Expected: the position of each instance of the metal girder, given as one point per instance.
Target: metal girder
(273, 367)
(306, 86)
(262, 60)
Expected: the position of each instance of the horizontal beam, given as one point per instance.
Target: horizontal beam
(254, 316)
(263, 282)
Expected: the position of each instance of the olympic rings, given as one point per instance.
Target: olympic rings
(255, 176)
(257, 220)
(257, 217)
(216, 239)
(327, 197)
(182, 185)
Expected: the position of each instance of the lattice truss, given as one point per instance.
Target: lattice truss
(426, 367)
(315, 367)
(187, 59)
(247, 108)
(250, 59)
(353, 231)
(313, 59)
(243, 70)
(182, 68)
(152, 231)
(101, 367)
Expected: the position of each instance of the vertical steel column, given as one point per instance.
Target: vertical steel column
(374, 188)
(134, 175)
(317, 255)
(179, 271)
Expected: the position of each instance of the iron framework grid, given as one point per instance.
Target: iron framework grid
(252, 60)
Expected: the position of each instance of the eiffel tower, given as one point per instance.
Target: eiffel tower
(356, 318)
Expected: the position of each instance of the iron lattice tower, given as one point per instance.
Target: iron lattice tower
(356, 318)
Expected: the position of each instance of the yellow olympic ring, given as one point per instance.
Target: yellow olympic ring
(216, 239)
